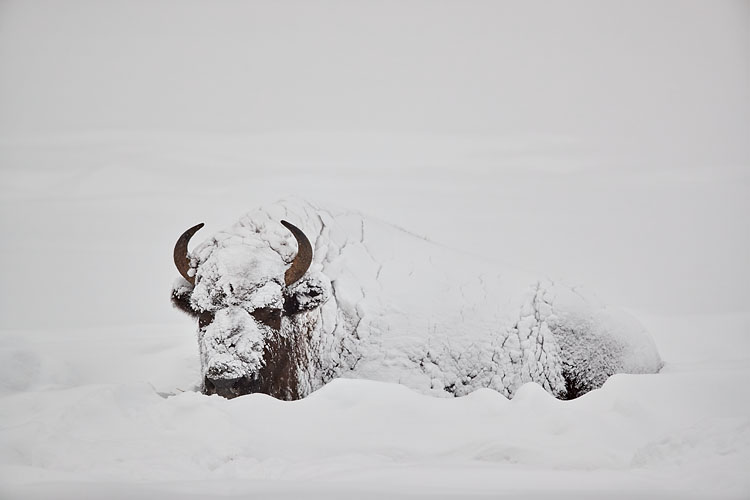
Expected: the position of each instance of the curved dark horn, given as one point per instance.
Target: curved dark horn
(302, 261)
(181, 259)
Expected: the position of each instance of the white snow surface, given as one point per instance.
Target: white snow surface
(77, 427)
(404, 309)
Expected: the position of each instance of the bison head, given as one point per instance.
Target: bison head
(255, 303)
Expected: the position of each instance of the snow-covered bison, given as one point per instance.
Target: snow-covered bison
(281, 311)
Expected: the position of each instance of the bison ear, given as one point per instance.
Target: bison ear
(302, 260)
(181, 259)
(310, 292)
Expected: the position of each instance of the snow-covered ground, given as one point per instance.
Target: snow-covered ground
(86, 413)
(605, 146)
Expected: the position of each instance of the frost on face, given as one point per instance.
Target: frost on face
(233, 276)
(232, 284)
(231, 345)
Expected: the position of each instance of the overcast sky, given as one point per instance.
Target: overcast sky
(668, 78)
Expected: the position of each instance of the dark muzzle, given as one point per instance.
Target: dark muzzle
(229, 387)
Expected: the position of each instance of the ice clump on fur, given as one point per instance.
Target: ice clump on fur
(232, 344)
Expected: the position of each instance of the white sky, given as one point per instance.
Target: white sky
(667, 80)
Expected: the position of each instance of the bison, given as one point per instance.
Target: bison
(282, 308)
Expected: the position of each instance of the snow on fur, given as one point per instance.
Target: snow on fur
(391, 306)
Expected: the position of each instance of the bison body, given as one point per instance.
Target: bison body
(379, 303)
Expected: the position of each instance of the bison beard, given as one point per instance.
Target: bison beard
(283, 355)
(430, 319)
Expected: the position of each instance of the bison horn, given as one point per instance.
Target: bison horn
(302, 261)
(181, 259)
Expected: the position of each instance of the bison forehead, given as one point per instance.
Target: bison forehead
(235, 275)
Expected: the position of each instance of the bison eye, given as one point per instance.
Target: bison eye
(291, 305)
(269, 316)
(205, 319)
